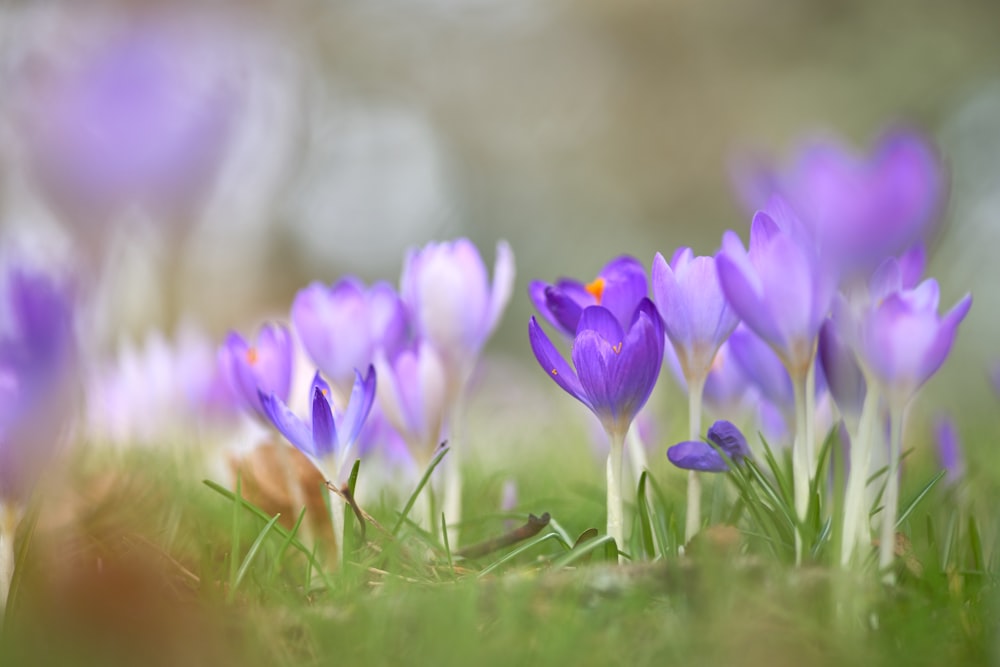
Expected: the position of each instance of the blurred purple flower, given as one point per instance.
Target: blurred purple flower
(841, 370)
(764, 369)
(614, 369)
(265, 367)
(139, 120)
(695, 313)
(902, 340)
(37, 353)
(413, 397)
(452, 302)
(949, 449)
(341, 326)
(619, 287)
(327, 441)
(861, 209)
(698, 455)
(779, 288)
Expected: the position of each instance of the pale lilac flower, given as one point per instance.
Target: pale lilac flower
(902, 341)
(696, 316)
(453, 304)
(861, 208)
(264, 367)
(413, 397)
(142, 119)
(329, 437)
(341, 326)
(779, 288)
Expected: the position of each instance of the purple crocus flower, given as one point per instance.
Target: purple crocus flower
(902, 340)
(413, 397)
(265, 367)
(695, 313)
(342, 325)
(143, 119)
(698, 455)
(37, 353)
(843, 375)
(328, 439)
(619, 287)
(453, 304)
(614, 369)
(861, 209)
(779, 288)
(764, 369)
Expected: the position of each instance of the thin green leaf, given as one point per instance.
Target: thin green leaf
(280, 530)
(416, 492)
(527, 546)
(585, 551)
(251, 555)
(912, 505)
(645, 527)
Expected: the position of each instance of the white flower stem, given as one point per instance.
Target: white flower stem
(9, 518)
(801, 471)
(616, 509)
(862, 441)
(692, 523)
(637, 454)
(338, 524)
(453, 473)
(890, 505)
(810, 428)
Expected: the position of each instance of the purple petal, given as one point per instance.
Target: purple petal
(730, 440)
(358, 407)
(638, 363)
(324, 431)
(503, 283)
(288, 424)
(843, 375)
(563, 309)
(553, 363)
(625, 285)
(696, 455)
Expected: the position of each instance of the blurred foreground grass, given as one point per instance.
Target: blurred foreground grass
(133, 560)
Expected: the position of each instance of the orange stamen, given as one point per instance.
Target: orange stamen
(251, 355)
(617, 348)
(596, 288)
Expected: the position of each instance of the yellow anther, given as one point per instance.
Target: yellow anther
(617, 348)
(596, 289)
(555, 372)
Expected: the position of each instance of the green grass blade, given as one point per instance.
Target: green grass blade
(530, 544)
(584, 550)
(912, 505)
(251, 555)
(416, 492)
(645, 525)
(234, 540)
(280, 530)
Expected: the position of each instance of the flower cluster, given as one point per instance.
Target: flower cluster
(825, 304)
(421, 343)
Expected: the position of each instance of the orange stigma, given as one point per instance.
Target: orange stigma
(596, 288)
(251, 355)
